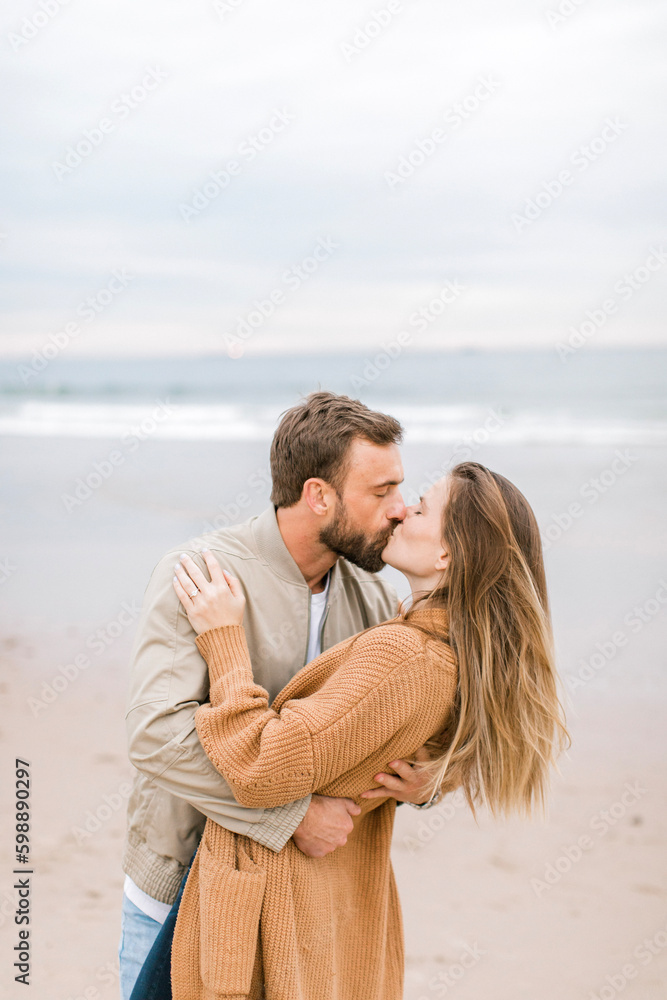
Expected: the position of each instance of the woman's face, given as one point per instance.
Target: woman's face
(416, 547)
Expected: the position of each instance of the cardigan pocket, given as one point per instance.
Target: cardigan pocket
(231, 903)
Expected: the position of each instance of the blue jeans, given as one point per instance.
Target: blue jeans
(154, 979)
(138, 932)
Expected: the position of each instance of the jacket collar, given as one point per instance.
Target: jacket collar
(271, 548)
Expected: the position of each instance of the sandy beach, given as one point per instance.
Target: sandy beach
(574, 906)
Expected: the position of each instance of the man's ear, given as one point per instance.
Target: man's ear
(318, 496)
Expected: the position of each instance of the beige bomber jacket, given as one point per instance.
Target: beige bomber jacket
(177, 787)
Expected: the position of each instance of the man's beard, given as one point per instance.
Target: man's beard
(353, 545)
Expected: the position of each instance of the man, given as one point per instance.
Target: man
(308, 566)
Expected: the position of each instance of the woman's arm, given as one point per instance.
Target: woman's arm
(268, 758)
(272, 757)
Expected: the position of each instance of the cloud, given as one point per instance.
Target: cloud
(363, 91)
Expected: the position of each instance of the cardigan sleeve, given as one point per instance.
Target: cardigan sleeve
(271, 757)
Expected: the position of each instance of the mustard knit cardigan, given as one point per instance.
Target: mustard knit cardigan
(254, 923)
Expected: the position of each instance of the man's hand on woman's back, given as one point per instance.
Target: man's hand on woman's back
(326, 825)
(408, 784)
(328, 821)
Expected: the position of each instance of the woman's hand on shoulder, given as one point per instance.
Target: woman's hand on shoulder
(208, 603)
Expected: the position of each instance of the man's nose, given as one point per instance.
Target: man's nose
(398, 510)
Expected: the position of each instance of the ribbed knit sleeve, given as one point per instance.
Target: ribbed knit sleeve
(272, 757)
(241, 735)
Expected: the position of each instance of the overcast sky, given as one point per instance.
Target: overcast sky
(318, 119)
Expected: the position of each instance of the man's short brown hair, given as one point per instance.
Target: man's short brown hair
(313, 441)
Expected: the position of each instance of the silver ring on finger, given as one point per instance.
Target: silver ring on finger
(194, 594)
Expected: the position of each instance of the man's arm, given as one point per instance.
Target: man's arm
(168, 682)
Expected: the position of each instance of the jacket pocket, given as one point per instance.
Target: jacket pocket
(231, 903)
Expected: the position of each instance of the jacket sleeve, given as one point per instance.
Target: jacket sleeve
(168, 683)
(268, 756)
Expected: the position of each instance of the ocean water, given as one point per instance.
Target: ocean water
(532, 397)
(191, 438)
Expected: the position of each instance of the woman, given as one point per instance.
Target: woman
(468, 670)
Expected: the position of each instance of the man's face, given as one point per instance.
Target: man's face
(369, 507)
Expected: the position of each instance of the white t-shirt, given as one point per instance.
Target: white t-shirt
(318, 603)
(152, 907)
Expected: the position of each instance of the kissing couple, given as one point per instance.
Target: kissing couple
(282, 703)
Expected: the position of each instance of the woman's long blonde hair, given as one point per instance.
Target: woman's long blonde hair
(508, 726)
